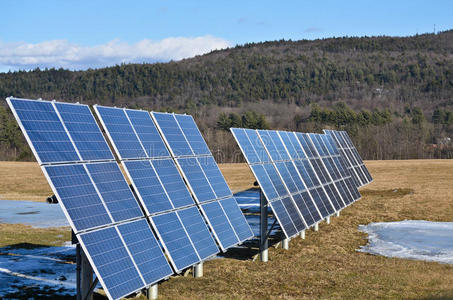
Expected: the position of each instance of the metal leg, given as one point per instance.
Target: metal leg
(78, 271)
(152, 292)
(302, 234)
(328, 220)
(285, 244)
(86, 278)
(198, 270)
(263, 229)
(316, 227)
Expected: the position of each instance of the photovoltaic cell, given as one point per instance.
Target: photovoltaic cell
(246, 146)
(147, 133)
(198, 232)
(77, 195)
(172, 134)
(219, 222)
(265, 182)
(114, 190)
(175, 240)
(283, 218)
(196, 179)
(214, 176)
(44, 130)
(192, 134)
(145, 251)
(120, 131)
(84, 131)
(237, 219)
(112, 262)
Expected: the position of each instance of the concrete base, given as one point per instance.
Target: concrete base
(316, 227)
(328, 220)
(337, 213)
(264, 255)
(302, 234)
(198, 270)
(285, 244)
(152, 292)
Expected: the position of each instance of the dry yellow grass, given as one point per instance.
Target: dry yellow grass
(326, 265)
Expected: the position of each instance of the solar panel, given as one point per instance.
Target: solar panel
(111, 261)
(172, 134)
(198, 232)
(175, 240)
(77, 196)
(114, 190)
(84, 131)
(120, 132)
(43, 130)
(145, 251)
(147, 133)
(201, 173)
(221, 225)
(350, 156)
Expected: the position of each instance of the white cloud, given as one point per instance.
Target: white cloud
(61, 53)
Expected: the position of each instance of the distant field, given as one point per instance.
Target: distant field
(325, 265)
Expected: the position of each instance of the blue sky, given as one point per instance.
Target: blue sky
(82, 34)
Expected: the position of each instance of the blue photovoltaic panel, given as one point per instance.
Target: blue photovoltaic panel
(121, 133)
(113, 264)
(114, 190)
(175, 239)
(295, 176)
(283, 218)
(77, 195)
(246, 146)
(304, 209)
(237, 219)
(265, 182)
(198, 232)
(311, 207)
(279, 145)
(293, 213)
(44, 130)
(219, 222)
(148, 186)
(286, 177)
(289, 144)
(267, 141)
(256, 143)
(193, 135)
(147, 133)
(84, 131)
(296, 144)
(276, 181)
(172, 134)
(145, 250)
(196, 179)
(214, 176)
(323, 205)
(172, 182)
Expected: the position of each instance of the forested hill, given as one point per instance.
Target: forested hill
(301, 85)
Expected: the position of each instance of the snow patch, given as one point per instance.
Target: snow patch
(410, 239)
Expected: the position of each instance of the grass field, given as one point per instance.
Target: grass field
(325, 265)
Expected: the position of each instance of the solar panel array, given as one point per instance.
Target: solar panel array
(123, 237)
(351, 156)
(93, 194)
(303, 176)
(203, 176)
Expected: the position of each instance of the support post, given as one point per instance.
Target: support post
(152, 292)
(78, 271)
(337, 213)
(302, 234)
(285, 244)
(263, 228)
(198, 270)
(86, 278)
(316, 227)
(328, 220)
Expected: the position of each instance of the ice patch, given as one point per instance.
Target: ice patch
(43, 268)
(36, 214)
(410, 239)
